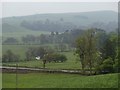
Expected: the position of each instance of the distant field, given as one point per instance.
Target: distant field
(18, 35)
(71, 63)
(45, 80)
(18, 49)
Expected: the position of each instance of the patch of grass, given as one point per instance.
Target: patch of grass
(45, 80)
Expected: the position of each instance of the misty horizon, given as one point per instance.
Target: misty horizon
(25, 9)
(61, 13)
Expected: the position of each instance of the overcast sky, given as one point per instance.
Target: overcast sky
(28, 8)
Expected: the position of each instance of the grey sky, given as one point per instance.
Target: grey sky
(29, 8)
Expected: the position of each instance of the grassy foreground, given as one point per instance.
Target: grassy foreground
(45, 80)
(0, 80)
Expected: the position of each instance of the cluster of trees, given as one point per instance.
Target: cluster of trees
(46, 55)
(33, 52)
(10, 40)
(9, 56)
(109, 54)
(48, 25)
(98, 50)
(67, 37)
(62, 41)
(53, 58)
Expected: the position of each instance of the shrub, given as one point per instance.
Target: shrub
(9, 56)
(106, 66)
(116, 66)
(55, 57)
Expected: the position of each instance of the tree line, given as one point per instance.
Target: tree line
(67, 37)
(48, 25)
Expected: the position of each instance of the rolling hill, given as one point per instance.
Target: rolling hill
(61, 21)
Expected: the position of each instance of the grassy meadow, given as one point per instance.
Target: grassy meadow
(46, 80)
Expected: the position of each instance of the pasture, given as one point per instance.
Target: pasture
(46, 80)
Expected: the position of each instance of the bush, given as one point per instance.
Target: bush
(106, 66)
(63, 58)
(10, 41)
(9, 56)
(116, 66)
(55, 58)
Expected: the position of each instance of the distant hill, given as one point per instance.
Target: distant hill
(62, 21)
(7, 28)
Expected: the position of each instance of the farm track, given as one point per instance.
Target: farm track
(38, 70)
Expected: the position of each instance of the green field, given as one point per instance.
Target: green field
(45, 80)
(71, 63)
(21, 33)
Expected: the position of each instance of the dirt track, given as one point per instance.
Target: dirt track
(28, 70)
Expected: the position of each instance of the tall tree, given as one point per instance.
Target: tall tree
(86, 49)
(110, 47)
